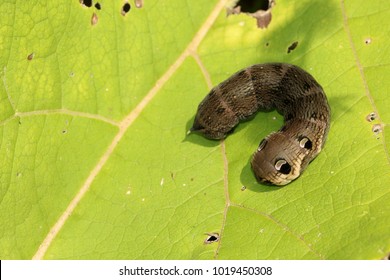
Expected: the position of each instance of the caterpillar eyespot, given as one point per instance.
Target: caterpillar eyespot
(283, 155)
(305, 142)
(283, 166)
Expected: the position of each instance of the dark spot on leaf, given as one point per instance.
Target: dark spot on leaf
(211, 238)
(30, 56)
(87, 3)
(64, 131)
(267, 44)
(243, 188)
(125, 9)
(367, 41)
(377, 128)
(292, 47)
(371, 117)
(98, 6)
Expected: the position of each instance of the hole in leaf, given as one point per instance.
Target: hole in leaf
(211, 238)
(259, 9)
(125, 9)
(252, 6)
(87, 3)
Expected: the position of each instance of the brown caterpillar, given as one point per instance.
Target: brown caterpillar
(283, 155)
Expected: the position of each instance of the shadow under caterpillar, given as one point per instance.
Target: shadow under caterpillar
(283, 155)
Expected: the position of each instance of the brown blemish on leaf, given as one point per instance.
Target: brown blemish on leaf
(30, 56)
(377, 128)
(371, 117)
(94, 19)
(292, 47)
(367, 41)
(258, 9)
(139, 3)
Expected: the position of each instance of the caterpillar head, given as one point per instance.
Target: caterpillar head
(280, 158)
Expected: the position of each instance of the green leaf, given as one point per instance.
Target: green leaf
(94, 158)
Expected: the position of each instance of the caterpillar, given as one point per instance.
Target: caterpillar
(282, 156)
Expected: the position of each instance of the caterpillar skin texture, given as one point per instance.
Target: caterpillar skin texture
(283, 155)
